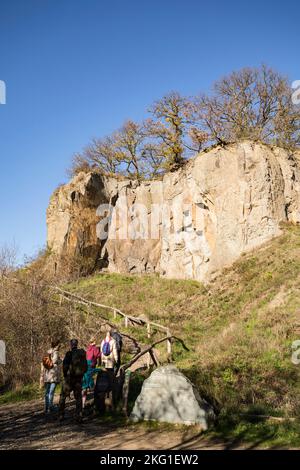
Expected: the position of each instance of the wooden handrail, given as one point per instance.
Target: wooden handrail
(149, 348)
(137, 320)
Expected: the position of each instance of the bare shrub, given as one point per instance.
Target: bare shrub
(8, 255)
(27, 325)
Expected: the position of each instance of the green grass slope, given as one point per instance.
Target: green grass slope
(239, 329)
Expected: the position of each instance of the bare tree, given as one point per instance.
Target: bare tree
(253, 103)
(129, 148)
(129, 151)
(8, 255)
(171, 125)
(99, 155)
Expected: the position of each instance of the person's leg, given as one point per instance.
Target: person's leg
(65, 391)
(117, 366)
(77, 389)
(111, 377)
(51, 395)
(84, 396)
(111, 394)
(47, 388)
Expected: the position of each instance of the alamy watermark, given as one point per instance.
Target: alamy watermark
(2, 353)
(127, 221)
(296, 352)
(296, 92)
(2, 92)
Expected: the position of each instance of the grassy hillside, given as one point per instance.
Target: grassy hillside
(239, 329)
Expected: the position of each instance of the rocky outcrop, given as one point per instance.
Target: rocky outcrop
(190, 224)
(168, 396)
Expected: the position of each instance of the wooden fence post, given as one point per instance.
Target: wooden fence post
(115, 314)
(169, 345)
(126, 392)
(153, 358)
(148, 330)
(126, 322)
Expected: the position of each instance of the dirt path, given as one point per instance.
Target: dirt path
(24, 426)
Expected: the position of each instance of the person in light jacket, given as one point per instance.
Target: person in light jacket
(109, 354)
(50, 378)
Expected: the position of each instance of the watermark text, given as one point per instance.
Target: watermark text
(296, 92)
(2, 92)
(2, 353)
(296, 352)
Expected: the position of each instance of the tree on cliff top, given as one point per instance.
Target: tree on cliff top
(160, 143)
(173, 126)
(128, 151)
(252, 103)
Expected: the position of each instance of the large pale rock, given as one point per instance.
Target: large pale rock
(168, 396)
(190, 224)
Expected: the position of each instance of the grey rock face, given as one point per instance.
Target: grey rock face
(224, 202)
(168, 396)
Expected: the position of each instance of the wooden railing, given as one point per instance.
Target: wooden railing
(69, 296)
(150, 326)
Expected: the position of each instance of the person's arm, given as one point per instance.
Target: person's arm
(100, 358)
(98, 355)
(55, 358)
(42, 376)
(86, 363)
(115, 351)
(67, 363)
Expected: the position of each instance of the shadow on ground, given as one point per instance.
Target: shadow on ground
(24, 426)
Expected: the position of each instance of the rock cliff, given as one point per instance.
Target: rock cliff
(189, 224)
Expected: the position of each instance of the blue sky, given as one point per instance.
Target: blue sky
(76, 69)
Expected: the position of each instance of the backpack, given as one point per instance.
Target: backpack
(118, 339)
(78, 366)
(47, 362)
(106, 348)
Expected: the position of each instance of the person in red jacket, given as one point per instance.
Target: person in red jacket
(93, 354)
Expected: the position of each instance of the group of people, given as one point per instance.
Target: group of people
(77, 370)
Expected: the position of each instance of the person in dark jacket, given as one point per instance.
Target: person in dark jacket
(74, 367)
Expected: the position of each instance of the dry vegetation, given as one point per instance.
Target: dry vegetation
(239, 328)
(31, 316)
